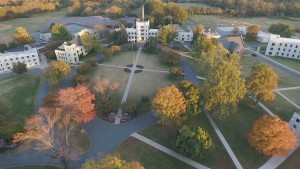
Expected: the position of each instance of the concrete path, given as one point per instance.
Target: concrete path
(168, 151)
(266, 109)
(190, 74)
(125, 95)
(289, 100)
(287, 88)
(224, 142)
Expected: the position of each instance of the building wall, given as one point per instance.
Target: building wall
(45, 36)
(89, 31)
(284, 47)
(184, 36)
(70, 53)
(142, 30)
(30, 57)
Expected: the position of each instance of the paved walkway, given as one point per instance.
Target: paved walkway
(125, 95)
(289, 100)
(287, 88)
(168, 151)
(190, 74)
(266, 109)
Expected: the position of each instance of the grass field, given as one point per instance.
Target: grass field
(122, 59)
(19, 94)
(132, 149)
(36, 167)
(187, 5)
(291, 162)
(293, 95)
(151, 61)
(31, 24)
(217, 159)
(292, 63)
(80, 139)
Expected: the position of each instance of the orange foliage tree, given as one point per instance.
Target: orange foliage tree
(272, 136)
(169, 104)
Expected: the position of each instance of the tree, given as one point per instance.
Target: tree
(194, 142)
(80, 80)
(282, 30)
(113, 162)
(3, 47)
(261, 82)
(252, 32)
(57, 71)
(169, 104)
(224, 87)
(191, 94)
(166, 34)
(199, 30)
(59, 32)
(112, 50)
(151, 45)
(272, 136)
(84, 68)
(49, 49)
(22, 37)
(120, 37)
(90, 43)
(177, 13)
(19, 68)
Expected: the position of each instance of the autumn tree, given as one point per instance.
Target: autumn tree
(49, 49)
(80, 79)
(166, 34)
(177, 13)
(112, 50)
(198, 31)
(282, 29)
(90, 43)
(113, 162)
(272, 136)
(191, 94)
(22, 37)
(57, 71)
(59, 32)
(194, 142)
(224, 87)
(19, 68)
(151, 45)
(261, 82)
(252, 32)
(169, 104)
(113, 11)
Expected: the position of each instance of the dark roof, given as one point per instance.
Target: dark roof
(231, 43)
(130, 20)
(76, 41)
(23, 48)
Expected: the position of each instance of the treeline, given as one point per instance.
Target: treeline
(195, 10)
(10, 9)
(110, 8)
(257, 7)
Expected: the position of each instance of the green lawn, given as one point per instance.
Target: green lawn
(292, 63)
(19, 94)
(217, 159)
(31, 24)
(291, 162)
(284, 80)
(122, 59)
(80, 139)
(293, 95)
(235, 129)
(151, 158)
(36, 167)
(152, 61)
(187, 5)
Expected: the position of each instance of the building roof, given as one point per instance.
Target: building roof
(76, 41)
(231, 43)
(130, 20)
(280, 39)
(74, 28)
(25, 47)
(89, 21)
(176, 27)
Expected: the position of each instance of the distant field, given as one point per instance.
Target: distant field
(187, 5)
(292, 63)
(32, 24)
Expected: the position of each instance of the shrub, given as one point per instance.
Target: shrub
(175, 73)
(80, 79)
(170, 57)
(84, 68)
(8, 128)
(112, 50)
(92, 62)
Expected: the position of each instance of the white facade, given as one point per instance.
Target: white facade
(45, 36)
(70, 52)
(263, 37)
(30, 57)
(284, 47)
(184, 36)
(295, 123)
(80, 33)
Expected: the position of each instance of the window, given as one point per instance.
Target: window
(27, 56)
(280, 44)
(270, 53)
(294, 126)
(297, 120)
(277, 53)
(17, 58)
(33, 56)
(271, 48)
(8, 67)
(34, 59)
(289, 50)
(296, 46)
(273, 44)
(22, 57)
(285, 45)
(292, 56)
(291, 46)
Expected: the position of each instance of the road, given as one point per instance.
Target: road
(274, 64)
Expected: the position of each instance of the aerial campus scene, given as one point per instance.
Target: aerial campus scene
(149, 84)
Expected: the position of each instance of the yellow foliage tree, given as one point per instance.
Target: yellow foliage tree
(57, 71)
(261, 82)
(111, 162)
(169, 104)
(224, 87)
(272, 136)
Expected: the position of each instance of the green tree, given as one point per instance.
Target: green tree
(90, 43)
(151, 45)
(22, 37)
(198, 32)
(19, 68)
(261, 82)
(59, 32)
(169, 104)
(166, 34)
(191, 94)
(282, 30)
(194, 142)
(177, 13)
(224, 87)
(111, 162)
(120, 37)
(49, 49)
(252, 32)
(57, 71)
